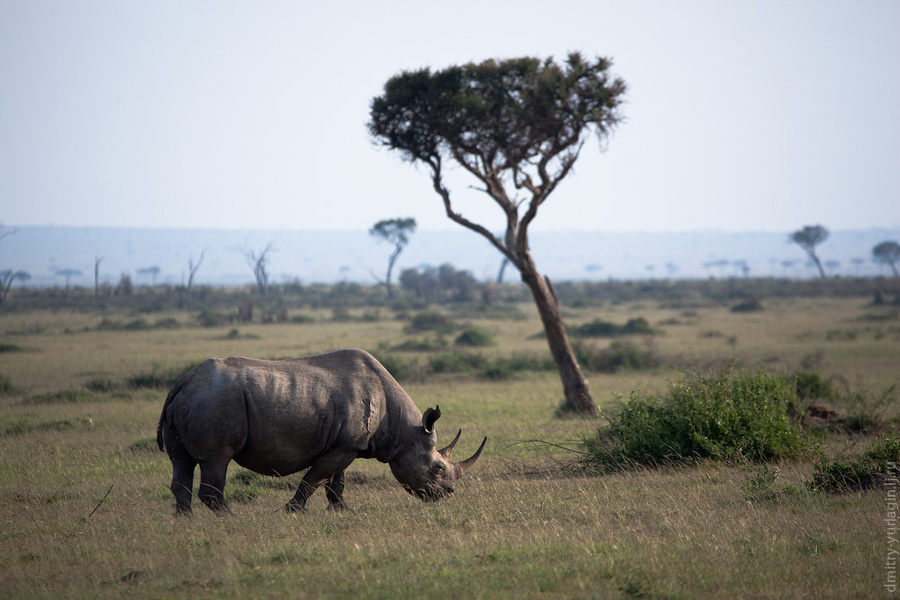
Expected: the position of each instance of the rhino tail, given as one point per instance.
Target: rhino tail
(162, 417)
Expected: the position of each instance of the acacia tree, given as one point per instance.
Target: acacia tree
(808, 238)
(396, 232)
(887, 253)
(516, 126)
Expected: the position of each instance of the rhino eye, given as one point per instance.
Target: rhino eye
(437, 469)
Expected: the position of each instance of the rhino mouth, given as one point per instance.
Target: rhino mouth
(429, 493)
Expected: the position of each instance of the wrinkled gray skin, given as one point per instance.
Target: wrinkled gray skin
(317, 413)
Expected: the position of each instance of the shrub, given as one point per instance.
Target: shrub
(742, 417)
(812, 386)
(430, 320)
(210, 318)
(474, 336)
(619, 355)
(159, 378)
(101, 384)
(601, 328)
(878, 463)
(397, 366)
(752, 305)
(6, 386)
(457, 362)
(422, 344)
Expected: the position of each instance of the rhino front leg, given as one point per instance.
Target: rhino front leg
(329, 469)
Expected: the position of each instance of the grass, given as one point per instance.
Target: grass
(525, 523)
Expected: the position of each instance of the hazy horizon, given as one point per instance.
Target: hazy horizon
(355, 256)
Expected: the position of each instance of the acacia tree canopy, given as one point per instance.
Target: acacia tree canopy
(517, 126)
(808, 238)
(887, 253)
(396, 232)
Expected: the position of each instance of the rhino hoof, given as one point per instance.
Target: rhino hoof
(294, 507)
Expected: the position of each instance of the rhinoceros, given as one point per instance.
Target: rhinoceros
(318, 413)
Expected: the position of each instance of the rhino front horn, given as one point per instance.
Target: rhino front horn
(464, 465)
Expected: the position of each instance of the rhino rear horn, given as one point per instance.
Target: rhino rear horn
(446, 452)
(431, 415)
(464, 465)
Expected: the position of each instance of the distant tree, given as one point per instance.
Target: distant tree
(7, 278)
(808, 238)
(259, 263)
(887, 253)
(395, 232)
(97, 261)
(192, 271)
(68, 274)
(515, 126)
(152, 272)
(858, 263)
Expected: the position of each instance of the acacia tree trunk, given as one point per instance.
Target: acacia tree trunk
(575, 386)
(391, 261)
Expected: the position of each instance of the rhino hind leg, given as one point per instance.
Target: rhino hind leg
(212, 485)
(334, 491)
(183, 465)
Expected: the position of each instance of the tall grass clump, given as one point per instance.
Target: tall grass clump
(727, 416)
(872, 468)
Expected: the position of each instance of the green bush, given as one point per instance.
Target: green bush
(159, 378)
(397, 366)
(457, 362)
(877, 464)
(601, 328)
(102, 384)
(475, 336)
(809, 385)
(422, 344)
(430, 320)
(6, 386)
(752, 305)
(734, 417)
(619, 355)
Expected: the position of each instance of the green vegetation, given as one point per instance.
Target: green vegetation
(783, 477)
(727, 416)
(871, 469)
(601, 328)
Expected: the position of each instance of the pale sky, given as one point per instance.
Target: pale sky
(741, 115)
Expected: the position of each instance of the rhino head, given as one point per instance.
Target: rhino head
(424, 471)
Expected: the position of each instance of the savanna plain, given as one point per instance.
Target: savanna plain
(85, 509)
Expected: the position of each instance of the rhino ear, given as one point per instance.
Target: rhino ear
(431, 415)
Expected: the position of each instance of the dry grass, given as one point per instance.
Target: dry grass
(523, 526)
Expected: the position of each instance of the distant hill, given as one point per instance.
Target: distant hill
(330, 256)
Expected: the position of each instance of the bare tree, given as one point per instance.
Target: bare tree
(887, 253)
(808, 238)
(259, 263)
(515, 126)
(97, 261)
(396, 232)
(192, 271)
(7, 278)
